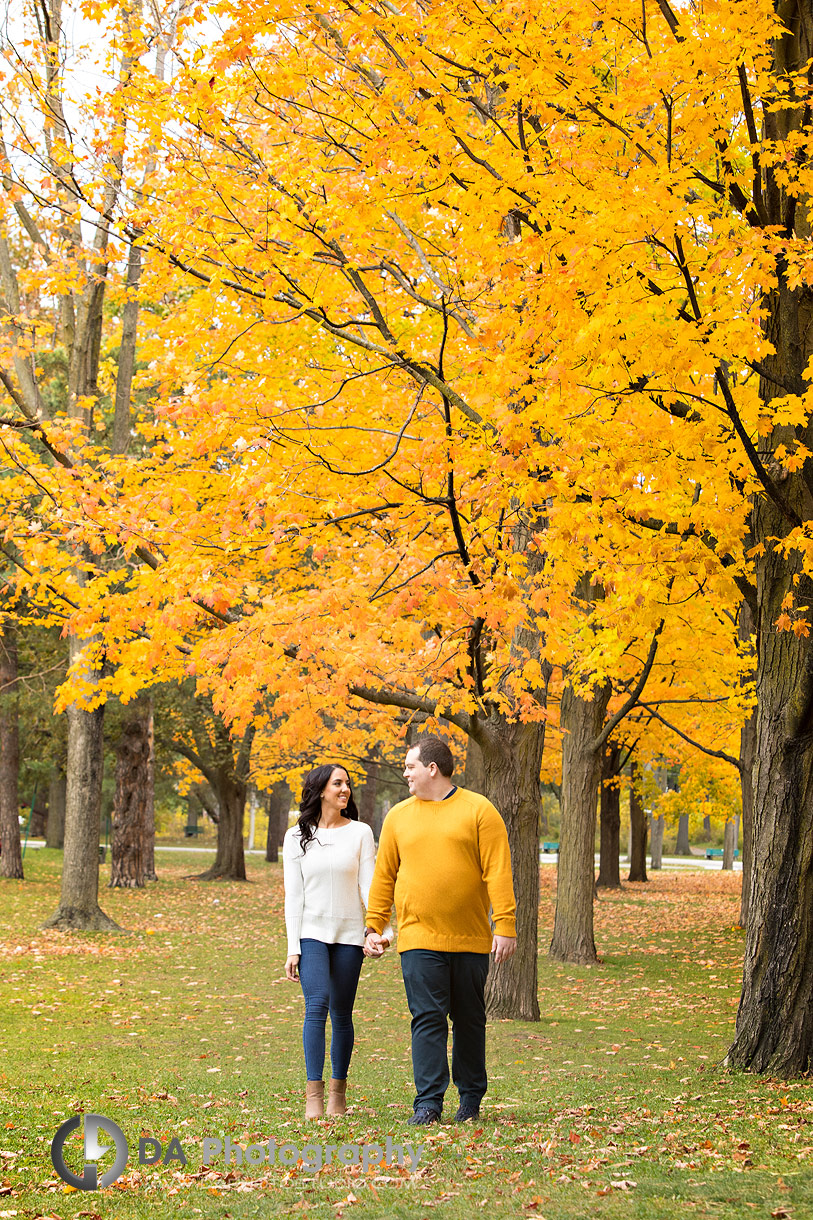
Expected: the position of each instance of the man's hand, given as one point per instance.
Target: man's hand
(292, 967)
(374, 945)
(503, 947)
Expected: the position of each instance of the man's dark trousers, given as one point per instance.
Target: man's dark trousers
(440, 985)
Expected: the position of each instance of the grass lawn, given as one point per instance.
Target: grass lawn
(613, 1105)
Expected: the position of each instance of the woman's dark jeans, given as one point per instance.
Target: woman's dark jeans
(329, 975)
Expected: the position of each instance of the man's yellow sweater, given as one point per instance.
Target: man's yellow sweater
(444, 863)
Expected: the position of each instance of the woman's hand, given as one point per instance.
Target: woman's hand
(292, 967)
(375, 945)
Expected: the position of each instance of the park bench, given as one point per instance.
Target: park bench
(716, 853)
(550, 847)
(191, 831)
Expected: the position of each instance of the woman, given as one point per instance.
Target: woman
(328, 860)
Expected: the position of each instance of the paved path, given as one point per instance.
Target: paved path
(671, 864)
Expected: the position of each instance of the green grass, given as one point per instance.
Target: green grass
(613, 1105)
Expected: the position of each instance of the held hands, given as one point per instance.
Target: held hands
(503, 947)
(292, 967)
(375, 945)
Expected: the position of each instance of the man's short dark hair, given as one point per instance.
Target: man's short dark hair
(434, 750)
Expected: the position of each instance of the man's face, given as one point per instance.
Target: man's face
(418, 777)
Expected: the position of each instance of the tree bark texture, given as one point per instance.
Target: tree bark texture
(581, 720)
(512, 758)
(149, 811)
(748, 742)
(78, 904)
(638, 831)
(730, 836)
(11, 859)
(130, 806)
(55, 831)
(609, 875)
(474, 776)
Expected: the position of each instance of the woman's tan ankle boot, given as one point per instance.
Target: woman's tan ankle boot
(336, 1097)
(315, 1099)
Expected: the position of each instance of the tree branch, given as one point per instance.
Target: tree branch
(735, 762)
(629, 704)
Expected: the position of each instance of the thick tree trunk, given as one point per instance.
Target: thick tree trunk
(774, 1031)
(581, 720)
(230, 860)
(78, 903)
(55, 832)
(11, 859)
(512, 758)
(682, 845)
(638, 831)
(730, 836)
(748, 741)
(130, 807)
(609, 875)
(656, 843)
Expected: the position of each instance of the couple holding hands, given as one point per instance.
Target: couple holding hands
(444, 861)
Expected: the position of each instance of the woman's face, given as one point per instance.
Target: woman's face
(336, 792)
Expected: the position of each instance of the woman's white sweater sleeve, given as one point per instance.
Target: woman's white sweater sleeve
(294, 890)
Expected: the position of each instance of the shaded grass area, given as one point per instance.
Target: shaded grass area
(614, 1104)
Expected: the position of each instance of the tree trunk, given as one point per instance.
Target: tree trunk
(706, 835)
(149, 808)
(581, 720)
(512, 759)
(279, 807)
(55, 832)
(656, 841)
(638, 831)
(682, 845)
(774, 1030)
(130, 807)
(78, 903)
(11, 857)
(609, 875)
(474, 775)
(230, 860)
(729, 844)
(367, 795)
(748, 741)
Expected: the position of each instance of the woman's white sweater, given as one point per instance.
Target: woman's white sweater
(326, 887)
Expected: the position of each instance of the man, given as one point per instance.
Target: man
(444, 859)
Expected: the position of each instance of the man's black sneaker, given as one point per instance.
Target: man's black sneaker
(466, 1110)
(423, 1116)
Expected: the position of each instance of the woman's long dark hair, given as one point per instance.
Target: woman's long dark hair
(310, 807)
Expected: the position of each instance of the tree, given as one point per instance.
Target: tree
(11, 863)
(638, 829)
(130, 809)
